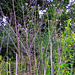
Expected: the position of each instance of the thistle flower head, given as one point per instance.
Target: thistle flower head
(31, 6)
(26, 3)
(56, 20)
(69, 36)
(24, 29)
(58, 12)
(53, 5)
(19, 24)
(51, 24)
(56, 7)
(61, 10)
(54, 27)
(43, 47)
(38, 4)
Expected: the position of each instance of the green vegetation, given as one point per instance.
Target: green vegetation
(37, 46)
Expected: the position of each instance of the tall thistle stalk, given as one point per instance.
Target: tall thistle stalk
(16, 64)
(9, 68)
(51, 55)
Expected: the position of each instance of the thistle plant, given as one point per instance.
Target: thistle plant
(27, 50)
